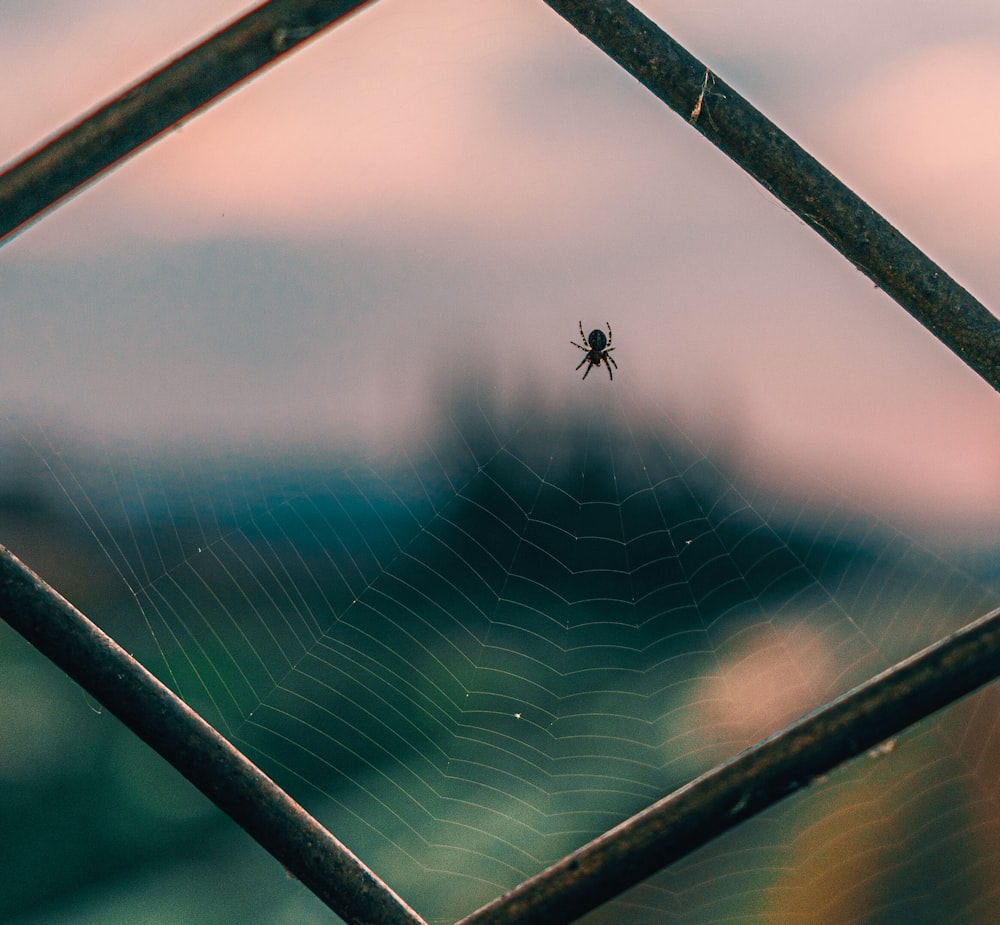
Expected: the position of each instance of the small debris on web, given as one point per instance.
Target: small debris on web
(882, 749)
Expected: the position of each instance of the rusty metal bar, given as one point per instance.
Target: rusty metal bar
(183, 86)
(756, 779)
(796, 178)
(237, 786)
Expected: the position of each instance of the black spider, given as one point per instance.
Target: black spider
(598, 348)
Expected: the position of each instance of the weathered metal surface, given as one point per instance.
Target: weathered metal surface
(229, 779)
(105, 137)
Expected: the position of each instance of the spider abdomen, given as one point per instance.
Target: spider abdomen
(597, 340)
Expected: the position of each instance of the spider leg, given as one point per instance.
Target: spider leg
(578, 347)
(584, 360)
(588, 369)
(608, 323)
(583, 336)
(610, 359)
(611, 375)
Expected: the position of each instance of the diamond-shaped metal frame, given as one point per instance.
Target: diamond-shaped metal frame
(719, 799)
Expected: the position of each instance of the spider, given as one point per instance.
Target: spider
(598, 348)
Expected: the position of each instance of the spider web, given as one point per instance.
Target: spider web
(474, 655)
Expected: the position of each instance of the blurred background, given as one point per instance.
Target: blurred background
(323, 331)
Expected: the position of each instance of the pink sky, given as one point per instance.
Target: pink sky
(422, 127)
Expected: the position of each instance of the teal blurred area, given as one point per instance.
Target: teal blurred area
(471, 657)
(98, 828)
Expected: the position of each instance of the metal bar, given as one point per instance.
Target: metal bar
(119, 128)
(796, 178)
(756, 779)
(58, 630)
